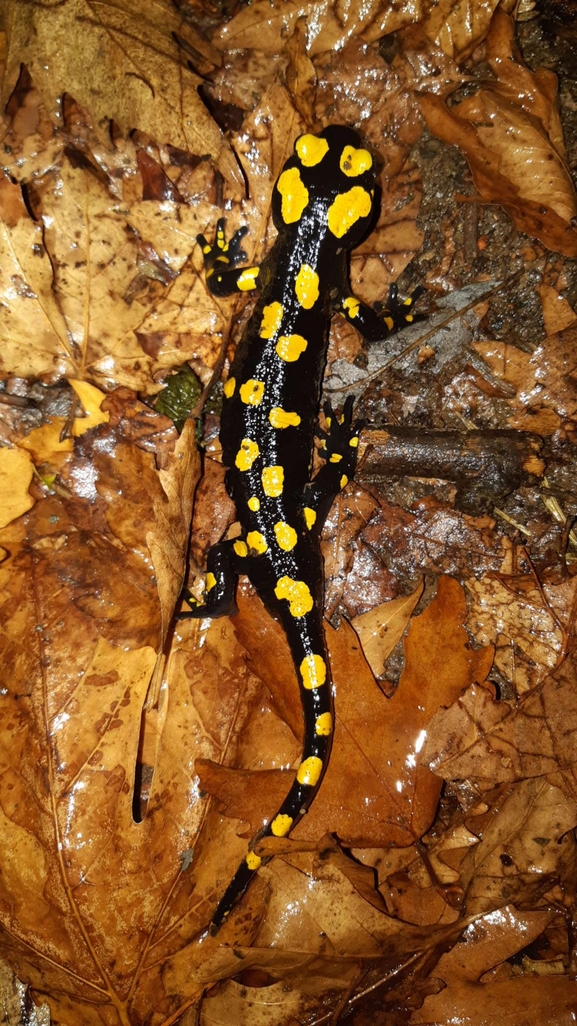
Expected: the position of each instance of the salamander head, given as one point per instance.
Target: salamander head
(331, 178)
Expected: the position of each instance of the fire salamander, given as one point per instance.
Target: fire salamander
(322, 205)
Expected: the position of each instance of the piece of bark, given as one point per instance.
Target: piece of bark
(484, 465)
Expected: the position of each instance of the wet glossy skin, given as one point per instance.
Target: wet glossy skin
(322, 205)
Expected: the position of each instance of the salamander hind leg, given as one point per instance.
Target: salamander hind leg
(339, 448)
(221, 576)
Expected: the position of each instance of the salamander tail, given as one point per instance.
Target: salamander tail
(310, 657)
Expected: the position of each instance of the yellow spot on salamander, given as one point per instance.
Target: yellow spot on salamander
(335, 458)
(295, 195)
(310, 770)
(281, 825)
(389, 322)
(280, 418)
(351, 305)
(307, 285)
(286, 535)
(271, 320)
(251, 392)
(355, 161)
(254, 503)
(310, 516)
(346, 209)
(354, 442)
(253, 861)
(290, 347)
(344, 481)
(257, 542)
(273, 481)
(324, 724)
(311, 150)
(409, 318)
(210, 581)
(297, 594)
(206, 249)
(247, 454)
(313, 672)
(247, 279)
(240, 548)
(229, 387)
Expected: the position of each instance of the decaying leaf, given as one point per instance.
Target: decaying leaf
(481, 738)
(77, 579)
(141, 79)
(459, 25)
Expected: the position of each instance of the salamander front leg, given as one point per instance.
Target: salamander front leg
(221, 576)
(383, 319)
(223, 276)
(339, 447)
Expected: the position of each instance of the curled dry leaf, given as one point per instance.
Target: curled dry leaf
(506, 130)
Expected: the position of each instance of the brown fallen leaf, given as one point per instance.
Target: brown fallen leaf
(317, 954)
(558, 313)
(527, 623)
(526, 846)
(77, 268)
(380, 629)
(375, 791)
(490, 940)
(458, 26)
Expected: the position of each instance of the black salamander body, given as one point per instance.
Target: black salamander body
(323, 203)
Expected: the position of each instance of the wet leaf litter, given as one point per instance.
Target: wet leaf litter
(437, 864)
